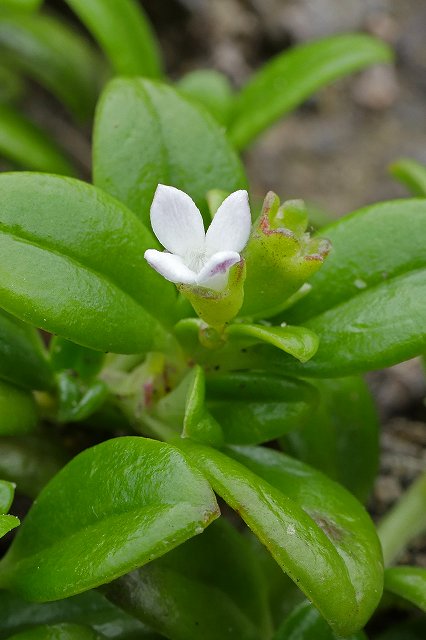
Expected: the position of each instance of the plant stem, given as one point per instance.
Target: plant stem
(404, 522)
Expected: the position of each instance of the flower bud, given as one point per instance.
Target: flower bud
(280, 256)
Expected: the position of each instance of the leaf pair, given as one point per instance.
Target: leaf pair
(128, 501)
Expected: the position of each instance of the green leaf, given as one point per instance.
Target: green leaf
(305, 623)
(291, 77)
(377, 328)
(58, 632)
(26, 145)
(317, 532)
(23, 359)
(89, 608)
(7, 491)
(73, 264)
(198, 423)
(368, 301)
(112, 509)
(209, 588)
(7, 523)
(142, 138)
(412, 174)
(211, 89)
(18, 411)
(30, 462)
(369, 247)
(341, 436)
(55, 56)
(409, 583)
(23, 5)
(124, 34)
(257, 407)
(77, 401)
(68, 356)
(297, 341)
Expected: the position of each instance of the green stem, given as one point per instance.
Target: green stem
(404, 522)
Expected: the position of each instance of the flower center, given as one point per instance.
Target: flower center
(195, 260)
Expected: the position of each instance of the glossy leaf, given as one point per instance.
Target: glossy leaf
(7, 490)
(305, 623)
(54, 272)
(198, 423)
(26, 145)
(368, 301)
(23, 359)
(142, 138)
(58, 632)
(308, 524)
(291, 77)
(297, 341)
(408, 583)
(122, 504)
(77, 401)
(211, 89)
(56, 56)
(256, 407)
(30, 462)
(412, 174)
(89, 608)
(369, 248)
(341, 436)
(206, 589)
(124, 34)
(7, 523)
(18, 411)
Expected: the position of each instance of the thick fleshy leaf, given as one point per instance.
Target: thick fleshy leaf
(23, 360)
(368, 301)
(369, 248)
(142, 138)
(7, 523)
(253, 407)
(30, 462)
(412, 174)
(18, 411)
(123, 503)
(198, 423)
(291, 77)
(73, 264)
(308, 523)
(297, 341)
(89, 608)
(305, 623)
(7, 490)
(56, 56)
(124, 34)
(341, 436)
(64, 631)
(26, 145)
(211, 587)
(211, 89)
(408, 583)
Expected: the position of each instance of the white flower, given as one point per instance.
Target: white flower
(193, 256)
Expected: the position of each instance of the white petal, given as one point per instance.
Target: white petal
(170, 266)
(176, 221)
(215, 273)
(231, 225)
